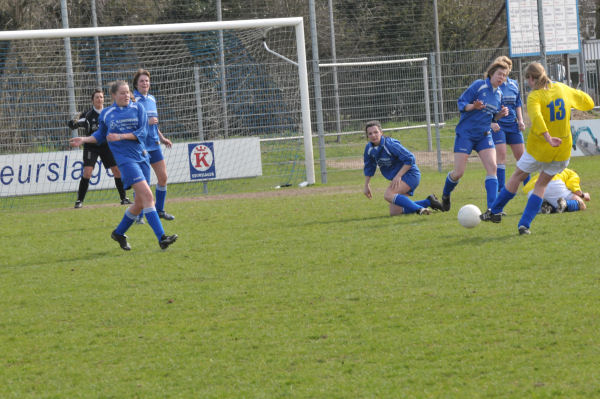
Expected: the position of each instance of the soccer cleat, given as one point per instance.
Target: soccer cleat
(445, 203)
(121, 239)
(78, 204)
(546, 208)
(166, 240)
(140, 220)
(435, 203)
(524, 230)
(126, 201)
(165, 215)
(562, 205)
(424, 211)
(488, 216)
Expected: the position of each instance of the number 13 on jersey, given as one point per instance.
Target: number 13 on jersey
(557, 110)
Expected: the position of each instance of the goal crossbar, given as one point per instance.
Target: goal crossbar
(295, 22)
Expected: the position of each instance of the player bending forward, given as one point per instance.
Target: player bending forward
(397, 164)
(563, 193)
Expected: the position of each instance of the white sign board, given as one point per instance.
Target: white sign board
(561, 27)
(55, 172)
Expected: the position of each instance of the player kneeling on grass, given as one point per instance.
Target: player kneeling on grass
(127, 123)
(563, 193)
(397, 164)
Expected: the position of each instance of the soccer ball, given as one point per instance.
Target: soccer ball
(468, 216)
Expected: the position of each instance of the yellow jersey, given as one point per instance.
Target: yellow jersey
(568, 176)
(550, 111)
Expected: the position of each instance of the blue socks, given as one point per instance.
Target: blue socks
(534, 203)
(501, 174)
(572, 206)
(126, 222)
(491, 188)
(406, 203)
(154, 222)
(161, 195)
(424, 203)
(501, 200)
(450, 185)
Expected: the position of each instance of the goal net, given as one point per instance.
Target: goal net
(231, 96)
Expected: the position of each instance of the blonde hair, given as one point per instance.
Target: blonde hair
(536, 71)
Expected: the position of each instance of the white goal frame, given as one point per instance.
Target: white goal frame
(295, 22)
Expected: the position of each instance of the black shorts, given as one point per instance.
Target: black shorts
(91, 152)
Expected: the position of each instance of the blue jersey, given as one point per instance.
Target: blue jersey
(390, 156)
(476, 123)
(511, 99)
(149, 102)
(129, 119)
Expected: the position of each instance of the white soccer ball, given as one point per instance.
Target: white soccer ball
(468, 216)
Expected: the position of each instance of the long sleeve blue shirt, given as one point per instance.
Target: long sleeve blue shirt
(390, 156)
(476, 123)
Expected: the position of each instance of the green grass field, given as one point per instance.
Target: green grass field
(303, 293)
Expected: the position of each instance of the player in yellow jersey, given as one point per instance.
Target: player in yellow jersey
(563, 193)
(548, 147)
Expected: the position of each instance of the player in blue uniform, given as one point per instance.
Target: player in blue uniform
(123, 126)
(141, 83)
(508, 129)
(397, 164)
(89, 122)
(478, 105)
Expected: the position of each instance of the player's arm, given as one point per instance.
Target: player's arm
(468, 100)
(398, 178)
(77, 122)
(367, 187)
(163, 139)
(77, 141)
(120, 136)
(519, 112)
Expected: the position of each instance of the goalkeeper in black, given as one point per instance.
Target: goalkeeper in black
(89, 121)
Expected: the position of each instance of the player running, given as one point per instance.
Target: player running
(548, 148)
(508, 129)
(397, 164)
(89, 122)
(141, 83)
(478, 105)
(123, 126)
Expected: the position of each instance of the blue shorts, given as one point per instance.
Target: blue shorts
(412, 178)
(156, 156)
(465, 144)
(508, 137)
(134, 172)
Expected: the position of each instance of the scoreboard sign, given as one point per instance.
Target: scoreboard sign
(561, 27)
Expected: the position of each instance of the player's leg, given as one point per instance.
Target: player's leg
(500, 143)
(488, 159)
(160, 170)
(453, 177)
(133, 176)
(534, 203)
(108, 160)
(89, 161)
(398, 198)
(518, 148)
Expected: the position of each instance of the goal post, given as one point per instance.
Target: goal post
(181, 61)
